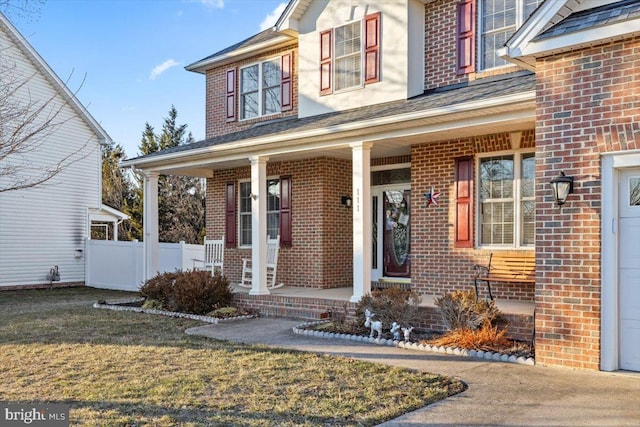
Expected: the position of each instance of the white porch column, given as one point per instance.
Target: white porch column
(259, 226)
(150, 224)
(115, 230)
(361, 153)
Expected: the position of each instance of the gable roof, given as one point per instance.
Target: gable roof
(41, 65)
(561, 26)
(434, 106)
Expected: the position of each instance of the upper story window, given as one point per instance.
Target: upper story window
(350, 55)
(506, 214)
(498, 20)
(260, 89)
(264, 88)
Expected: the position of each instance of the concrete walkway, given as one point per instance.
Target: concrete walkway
(498, 394)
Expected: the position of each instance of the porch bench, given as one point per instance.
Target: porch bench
(506, 268)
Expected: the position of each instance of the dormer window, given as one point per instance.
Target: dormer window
(347, 59)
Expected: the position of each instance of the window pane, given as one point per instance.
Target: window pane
(496, 177)
(530, 7)
(273, 225)
(348, 48)
(528, 222)
(528, 174)
(271, 73)
(348, 72)
(249, 105)
(347, 39)
(271, 100)
(245, 229)
(249, 79)
(634, 191)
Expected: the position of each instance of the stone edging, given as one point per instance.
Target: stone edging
(113, 305)
(478, 354)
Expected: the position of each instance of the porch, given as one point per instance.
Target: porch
(318, 304)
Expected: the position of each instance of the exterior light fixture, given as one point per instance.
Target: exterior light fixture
(561, 186)
(346, 200)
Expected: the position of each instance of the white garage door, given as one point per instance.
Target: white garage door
(629, 278)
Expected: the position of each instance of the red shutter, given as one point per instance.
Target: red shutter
(230, 107)
(230, 215)
(286, 83)
(326, 53)
(285, 211)
(466, 37)
(463, 194)
(372, 48)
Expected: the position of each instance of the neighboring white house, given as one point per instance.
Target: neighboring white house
(47, 225)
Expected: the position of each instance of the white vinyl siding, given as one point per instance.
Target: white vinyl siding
(43, 226)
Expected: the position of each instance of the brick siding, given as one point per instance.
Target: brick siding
(216, 95)
(587, 104)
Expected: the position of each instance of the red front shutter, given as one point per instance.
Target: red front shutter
(230, 215)
(230, 107)
(326, 53)
(285, 211)
(372, 48)
(466, 37)
(286, 83)
(463, 194)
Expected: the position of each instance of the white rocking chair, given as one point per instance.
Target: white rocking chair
(273, 247)
(213, 256)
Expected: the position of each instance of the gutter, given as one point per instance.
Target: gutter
(338, 129)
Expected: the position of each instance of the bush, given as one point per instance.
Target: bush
(195, 292)
(487, 338)
(391, 305)
(461, 310)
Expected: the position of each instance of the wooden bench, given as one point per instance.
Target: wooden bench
(506, 268)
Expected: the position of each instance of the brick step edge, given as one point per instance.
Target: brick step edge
(208, 319)
(477, 354)
(295, 313)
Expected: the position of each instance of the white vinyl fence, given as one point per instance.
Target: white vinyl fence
(120, 265)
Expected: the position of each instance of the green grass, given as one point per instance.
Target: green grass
(125, 369)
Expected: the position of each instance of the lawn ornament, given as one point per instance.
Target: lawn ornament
(375, 325)
(407, 333)
(395, 330)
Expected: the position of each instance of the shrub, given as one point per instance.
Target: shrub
(487, 338)
(461, 310)
(391, 305)
(195, 292)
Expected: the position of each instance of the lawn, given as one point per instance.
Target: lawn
(133, 369)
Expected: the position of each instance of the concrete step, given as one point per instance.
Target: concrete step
(295, 313)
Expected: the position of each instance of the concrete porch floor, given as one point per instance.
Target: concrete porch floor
(344, 294)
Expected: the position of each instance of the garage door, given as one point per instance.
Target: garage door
(629, 277)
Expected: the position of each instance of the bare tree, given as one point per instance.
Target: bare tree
(26, 121)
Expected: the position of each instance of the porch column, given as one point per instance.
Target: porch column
(150, 224)
(259, 226)
(361, 153)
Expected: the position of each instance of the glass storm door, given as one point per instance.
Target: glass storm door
(396, 235)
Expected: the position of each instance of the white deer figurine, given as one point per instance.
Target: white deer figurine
(375, 325)
(407, 333)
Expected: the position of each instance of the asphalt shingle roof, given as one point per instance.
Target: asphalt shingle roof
(603, 15)
(261, 37)
(476, 91)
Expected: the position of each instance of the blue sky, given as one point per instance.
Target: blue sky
(131, 54)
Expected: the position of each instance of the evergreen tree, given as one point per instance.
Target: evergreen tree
(116, 185)
(180, 198)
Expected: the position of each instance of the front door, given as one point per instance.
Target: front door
(391, 233)
(629, 273)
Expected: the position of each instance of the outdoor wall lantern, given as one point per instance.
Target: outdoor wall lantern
(346, 200)
(561, 186)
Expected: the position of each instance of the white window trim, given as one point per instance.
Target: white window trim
(242, 245)
(334, 57)
(517, 199)
(481, 33)
(260, 89)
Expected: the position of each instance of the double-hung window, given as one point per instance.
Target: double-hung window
(498, 20)
(273, 210)
(350, 55)
(260, 89)
(507, 200)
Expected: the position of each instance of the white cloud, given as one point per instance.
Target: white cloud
(214, 4)
(159, 69)
(272, 17)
